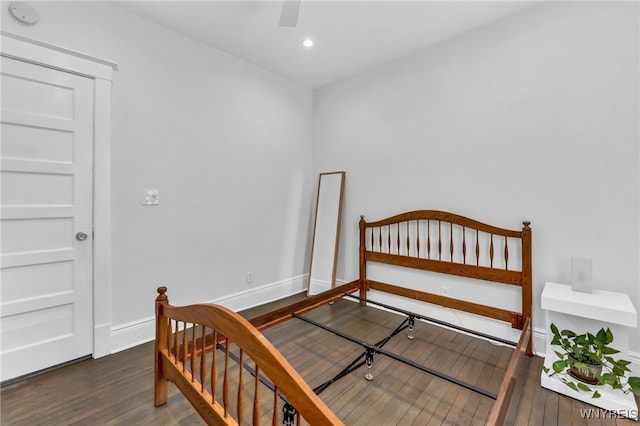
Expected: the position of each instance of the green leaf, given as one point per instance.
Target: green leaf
(556, 340)
(554, 329)
(584, 387)
(608, 378)
(581, 340)
(634, 383)
(559, 366)
(568, 333)
(607, 350)
(618, 371)
(573, 386)
(596, 394)
(560, 354)
(545, 369)
(601, 336)
(609, 336)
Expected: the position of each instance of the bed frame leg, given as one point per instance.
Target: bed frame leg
(369, 361)
(288, 414)
(160, 388)
(412, 323)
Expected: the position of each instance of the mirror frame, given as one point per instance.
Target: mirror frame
(334, 255)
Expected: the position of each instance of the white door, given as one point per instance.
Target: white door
(46, 180)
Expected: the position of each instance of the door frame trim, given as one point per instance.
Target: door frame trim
(101, 71)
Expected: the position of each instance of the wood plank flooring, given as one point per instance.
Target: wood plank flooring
(118, 389)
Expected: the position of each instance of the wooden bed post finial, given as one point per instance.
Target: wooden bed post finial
(526, 224)
(162, 296)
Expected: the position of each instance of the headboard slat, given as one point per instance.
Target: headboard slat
(491, 251)
(464, 245)
(428, 239)
(506, 253)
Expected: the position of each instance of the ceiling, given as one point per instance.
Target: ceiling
(349, 36)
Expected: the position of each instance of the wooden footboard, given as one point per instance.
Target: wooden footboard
(227, 369)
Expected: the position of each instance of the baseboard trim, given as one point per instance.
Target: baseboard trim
(125, 336)
(128, 335)
(538, 337)
(260, 295)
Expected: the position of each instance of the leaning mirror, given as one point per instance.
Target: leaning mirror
(326, 232)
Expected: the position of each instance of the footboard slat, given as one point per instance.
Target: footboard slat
(203, 362)
(193, 350)
(274, 418)
(240, 341)
(214, 368)
(240, 404)
(184, 346)
(175, 340)
(256, 396)
(225, 380)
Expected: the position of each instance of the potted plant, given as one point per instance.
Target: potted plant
(587, 358)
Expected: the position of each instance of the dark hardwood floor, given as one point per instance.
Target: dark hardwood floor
(118, 389)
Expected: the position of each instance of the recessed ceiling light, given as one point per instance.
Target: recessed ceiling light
(307, 42)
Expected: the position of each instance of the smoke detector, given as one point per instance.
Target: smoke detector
(23, 12)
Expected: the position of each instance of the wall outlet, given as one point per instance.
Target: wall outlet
(444, 291)
(249, 277)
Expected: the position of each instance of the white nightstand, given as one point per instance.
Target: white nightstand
(589, 312)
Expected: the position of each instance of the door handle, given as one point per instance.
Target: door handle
(81, 236)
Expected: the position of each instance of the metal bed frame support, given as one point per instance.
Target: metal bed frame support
(372, 349)
(413, 316)
(357, 363)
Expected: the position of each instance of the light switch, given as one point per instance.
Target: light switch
(150, 197)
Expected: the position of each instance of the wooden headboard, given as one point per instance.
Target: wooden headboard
(451, 244)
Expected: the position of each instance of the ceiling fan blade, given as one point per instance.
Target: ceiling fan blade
(289, 13)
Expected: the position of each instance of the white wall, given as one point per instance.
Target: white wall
(227, 144)
(534, 117)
